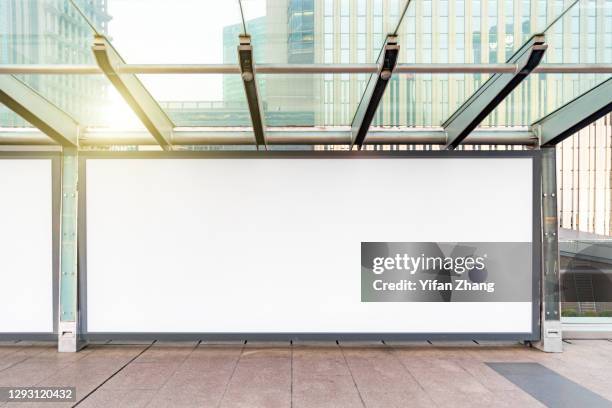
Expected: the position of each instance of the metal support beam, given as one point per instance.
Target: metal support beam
(247, 70)
(493, 91)
(68, 328)
(320, 135)
(189, 69)
(575, 115)
(374, 92)
(135, 94)
(551, 340)
(38, 111)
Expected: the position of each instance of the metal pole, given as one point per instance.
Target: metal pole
(502, 68)
(550, 319)
(337, 135)
(68, 327)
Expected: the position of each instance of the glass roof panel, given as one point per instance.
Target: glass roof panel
(310, 99)
(326, 31)
(89, 99)
(303, 32)
(200, 100)
(55, 32)
(576, 37)
(476, 31)
(175, 32)
(10, 119)
(46, 32)
(424, 100)
(539, 95)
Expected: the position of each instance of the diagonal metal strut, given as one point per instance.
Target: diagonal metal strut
(492, 92)
(38, 111)
(575, 115)
(135, 94)
(247, 70)
(374, 92)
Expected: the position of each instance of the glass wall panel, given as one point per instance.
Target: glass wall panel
(9, 119)
(311, 99)
(586, 277)
(55, 32)
(201, 100)
(472, 31)
(49, 31)
(320, 31)
(424, 99)
(571, 39)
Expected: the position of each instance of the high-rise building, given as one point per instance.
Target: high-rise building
(300, 32)
(53, 32)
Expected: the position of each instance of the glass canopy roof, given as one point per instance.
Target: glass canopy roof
(175, 65)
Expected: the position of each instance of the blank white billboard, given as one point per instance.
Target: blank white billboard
(26, 249)
(272, 245)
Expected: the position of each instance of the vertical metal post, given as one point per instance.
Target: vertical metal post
(68, 338)
(550, 319)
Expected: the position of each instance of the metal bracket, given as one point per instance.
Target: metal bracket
(247, 69)
(374, 92)
(492, 92)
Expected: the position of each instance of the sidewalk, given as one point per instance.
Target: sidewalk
(299, 375)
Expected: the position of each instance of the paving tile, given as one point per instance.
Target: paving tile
(598, 379)
(166, 354)
(321, 378)
(493, 353)
(237, 343)
(268, 344)
(382, 380)
(130, 342)
(17, 355)
(8, 348)
(187, 344)
(320, 374)
(408, 343)
(445, 381)
(315, 343)
(362, 344)
(262, 378)
(548, 386)
(202, 378)
(485, 375)
(143, 376)
(27, 374)
(516, 398)
(118, 399)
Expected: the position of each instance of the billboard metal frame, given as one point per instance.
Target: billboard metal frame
(55, 244)
(534, 155)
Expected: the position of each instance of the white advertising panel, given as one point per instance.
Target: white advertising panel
(26, 246)
(278, 244)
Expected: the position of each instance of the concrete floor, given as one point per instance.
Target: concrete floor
(302, 375)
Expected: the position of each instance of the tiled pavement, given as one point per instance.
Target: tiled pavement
(299, 375)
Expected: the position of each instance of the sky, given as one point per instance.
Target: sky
(177, 32)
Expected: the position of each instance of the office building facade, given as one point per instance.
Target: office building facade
(52, 32)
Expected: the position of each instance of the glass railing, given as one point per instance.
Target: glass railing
(586, 277)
